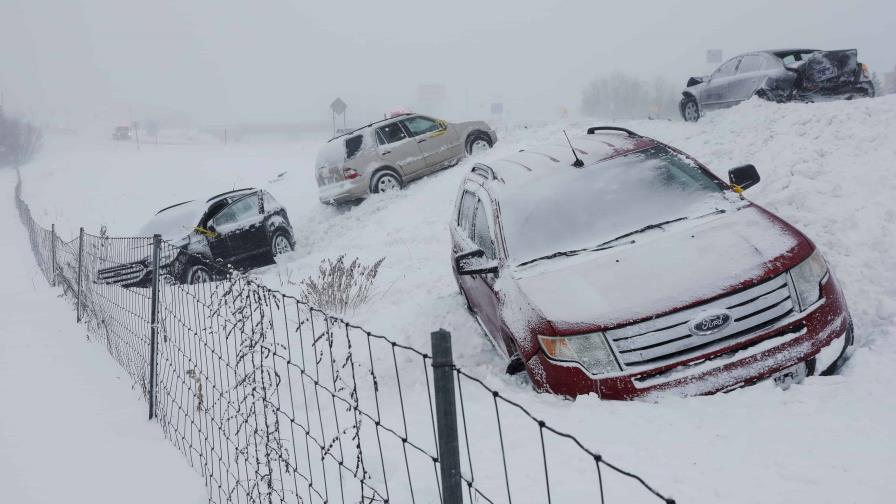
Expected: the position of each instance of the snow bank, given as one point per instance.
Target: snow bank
(72, 429)
(826, 168)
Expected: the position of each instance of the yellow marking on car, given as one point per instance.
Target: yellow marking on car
(206, 232)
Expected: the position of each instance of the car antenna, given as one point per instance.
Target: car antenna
(578, 163)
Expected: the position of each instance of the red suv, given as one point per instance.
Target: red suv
(615, 264)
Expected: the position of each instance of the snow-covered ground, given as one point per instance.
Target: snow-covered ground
(827, 168)
(72, 428)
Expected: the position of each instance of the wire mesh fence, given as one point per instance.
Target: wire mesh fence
(272, 400)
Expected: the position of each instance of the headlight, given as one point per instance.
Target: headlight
(589, 350)
(807, 278)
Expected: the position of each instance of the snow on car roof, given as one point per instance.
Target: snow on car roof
(543, 160)
(175, 221)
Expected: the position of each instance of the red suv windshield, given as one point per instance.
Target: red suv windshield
(571, 209)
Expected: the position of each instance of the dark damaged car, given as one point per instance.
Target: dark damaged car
(241, 229)
(806, 75)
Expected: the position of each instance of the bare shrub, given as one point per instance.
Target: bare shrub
(340, 288)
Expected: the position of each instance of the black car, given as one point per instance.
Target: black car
(783, 75)
(241, 229)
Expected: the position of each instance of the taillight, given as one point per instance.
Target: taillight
(865, 70)
(350, 173)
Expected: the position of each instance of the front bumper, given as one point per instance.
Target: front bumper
(820, 332)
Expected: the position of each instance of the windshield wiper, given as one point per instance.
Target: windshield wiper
(568, 253)
(613, 242)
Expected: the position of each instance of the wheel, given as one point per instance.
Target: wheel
(198, 274)
(385, 181)
(478, 144)
(690, 111)
(280, 243)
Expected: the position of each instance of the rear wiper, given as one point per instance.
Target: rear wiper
(613, 242)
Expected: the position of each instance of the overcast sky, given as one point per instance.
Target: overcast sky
(225, 61)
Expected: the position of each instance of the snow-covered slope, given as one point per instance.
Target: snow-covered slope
(827, 168)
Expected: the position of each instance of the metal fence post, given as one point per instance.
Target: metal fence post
(80, 267)
(446, 416)
(154, 323)
(53, 254)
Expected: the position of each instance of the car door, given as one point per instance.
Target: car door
(241, 224)
(438, 143)
(476, 229)
(716, 92)
(747, 78)
(399, 151)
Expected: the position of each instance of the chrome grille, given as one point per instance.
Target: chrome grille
(124, 273)
(668, 336)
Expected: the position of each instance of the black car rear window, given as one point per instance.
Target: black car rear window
(353, 146)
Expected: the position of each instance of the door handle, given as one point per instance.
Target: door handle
(421, 141)
(386, 152)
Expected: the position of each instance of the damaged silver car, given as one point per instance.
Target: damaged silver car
(784, 75)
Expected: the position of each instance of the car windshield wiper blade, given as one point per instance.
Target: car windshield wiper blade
(613, 242)
(568, 253)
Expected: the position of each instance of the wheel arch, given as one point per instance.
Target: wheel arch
(474, 133)
(381, 169)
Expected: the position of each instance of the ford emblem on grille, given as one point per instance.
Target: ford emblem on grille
(709, 322)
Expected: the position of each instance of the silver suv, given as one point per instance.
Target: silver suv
(386, 155)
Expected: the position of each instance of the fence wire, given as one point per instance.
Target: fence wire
(272, 400)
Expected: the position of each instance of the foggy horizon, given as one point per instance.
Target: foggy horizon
(207, 62)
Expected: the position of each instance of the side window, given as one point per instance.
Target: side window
(465, 215)
(390, 133)
(353, 146)
(727, 69)
(481, 235)
(242, 210)
(749, 63)
(419, 125)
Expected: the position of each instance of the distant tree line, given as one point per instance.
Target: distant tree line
(19, 140)
(622, 96)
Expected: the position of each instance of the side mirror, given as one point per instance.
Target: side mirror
(474, 262)
(743, 177)
(693, 81)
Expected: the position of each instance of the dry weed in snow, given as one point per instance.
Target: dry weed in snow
(340, 288)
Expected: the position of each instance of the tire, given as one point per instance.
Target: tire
(198, 274)
(385, 181)
(281, 243)
(690, 110)
(478, 143)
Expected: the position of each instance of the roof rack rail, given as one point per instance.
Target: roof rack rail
(629, 132)
(396, 116)
(229, 192)
(485, 171)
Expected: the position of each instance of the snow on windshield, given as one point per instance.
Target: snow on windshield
(175, 222)
(577, 208)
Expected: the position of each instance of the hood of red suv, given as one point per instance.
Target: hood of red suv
(664, 271)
